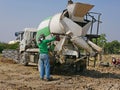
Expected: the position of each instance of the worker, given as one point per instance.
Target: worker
(115, 61)
(44, 64)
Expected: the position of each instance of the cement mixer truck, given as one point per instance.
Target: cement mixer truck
(74, 26)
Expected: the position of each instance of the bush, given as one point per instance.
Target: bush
(8, 46)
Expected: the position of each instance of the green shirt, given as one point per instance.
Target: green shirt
(43, 48)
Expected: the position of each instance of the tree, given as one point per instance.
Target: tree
(101, 41)
(112, 47)
(8, 46)
(2, 46)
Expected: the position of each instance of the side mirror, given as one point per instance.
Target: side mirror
(17, 33)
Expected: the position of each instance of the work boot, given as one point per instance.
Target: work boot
(49, 79)
(42, 79)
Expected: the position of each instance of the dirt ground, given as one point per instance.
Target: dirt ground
(14, 76)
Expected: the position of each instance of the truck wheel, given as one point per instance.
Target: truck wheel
(23, 59)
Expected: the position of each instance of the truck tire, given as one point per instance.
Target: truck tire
(24, 58)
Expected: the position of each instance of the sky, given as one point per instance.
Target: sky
(15, 15)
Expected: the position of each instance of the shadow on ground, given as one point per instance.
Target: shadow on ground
(88, 73)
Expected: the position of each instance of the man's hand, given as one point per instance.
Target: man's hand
(57, 38)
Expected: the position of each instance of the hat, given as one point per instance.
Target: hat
(41, 37)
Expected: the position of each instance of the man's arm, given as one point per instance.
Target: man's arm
(50, 40)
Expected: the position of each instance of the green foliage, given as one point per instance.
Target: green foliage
(101, 41)
(108, 47)
(2, 46)
(8, 46)
(13, 46)
(112, 47)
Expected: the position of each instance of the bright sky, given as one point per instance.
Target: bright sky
(15, 15)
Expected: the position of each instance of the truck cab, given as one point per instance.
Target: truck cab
(27, 46)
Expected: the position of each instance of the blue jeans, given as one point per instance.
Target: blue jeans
(44, 65)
